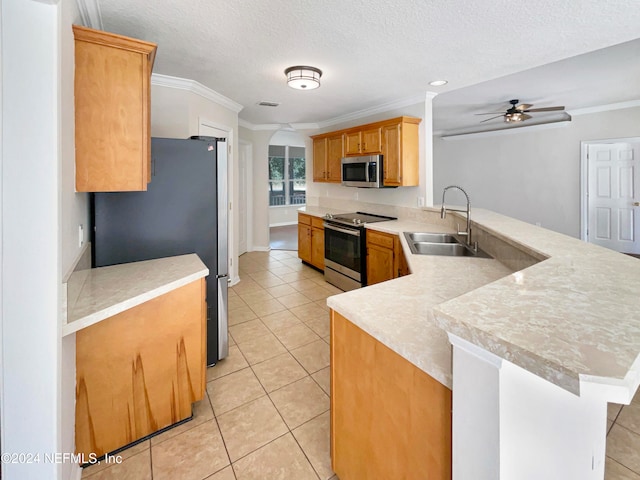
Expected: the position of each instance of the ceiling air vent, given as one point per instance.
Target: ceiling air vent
(268, 104)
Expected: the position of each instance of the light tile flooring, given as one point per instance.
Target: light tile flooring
(266, 412)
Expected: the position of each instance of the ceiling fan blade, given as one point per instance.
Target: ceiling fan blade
(490, 113)
(524, 116)
(524, 106)
(491, 118)
(546, 109)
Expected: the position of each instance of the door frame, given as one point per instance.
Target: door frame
(584, 178)
(247, 150)
(226, 131)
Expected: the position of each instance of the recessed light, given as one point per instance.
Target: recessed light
(438, 83)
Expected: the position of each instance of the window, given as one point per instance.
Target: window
(287, 175)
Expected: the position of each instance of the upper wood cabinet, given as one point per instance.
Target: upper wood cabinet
(400, 156)
(367, 141)
(112, 111)
(327, 153)
(396, 139)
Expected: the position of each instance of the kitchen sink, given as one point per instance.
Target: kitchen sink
(432, 237)
(443, 244)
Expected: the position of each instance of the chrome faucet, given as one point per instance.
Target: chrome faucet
(443, 212)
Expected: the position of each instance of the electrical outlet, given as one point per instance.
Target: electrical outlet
(355, 196)
(538, 224)
(80, 235)
(421, 201)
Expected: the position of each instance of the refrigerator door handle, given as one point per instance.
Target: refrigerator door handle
(223, 333)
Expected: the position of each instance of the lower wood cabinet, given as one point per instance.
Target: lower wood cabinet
(385, 258)
(389, 419)
(140, 370)
(311, 240)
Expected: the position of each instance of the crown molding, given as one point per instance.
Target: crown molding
(195, 87)
(505, 131)
(405, 102)
(305, 126)
(604, 108)
(90, 14)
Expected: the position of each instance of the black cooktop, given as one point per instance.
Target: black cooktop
(357, 218)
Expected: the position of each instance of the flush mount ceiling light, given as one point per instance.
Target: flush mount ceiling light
(438, 83)
(303, 78)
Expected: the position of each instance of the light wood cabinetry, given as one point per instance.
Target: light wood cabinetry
(140, 370)
(311, 240)
(396, 139)
(385, 258)
(327, 153)
(389, 419)
(112, 111)
(365, 141)
(400, 156)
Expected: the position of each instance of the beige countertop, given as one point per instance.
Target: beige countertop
(574, 316)
(106, 291)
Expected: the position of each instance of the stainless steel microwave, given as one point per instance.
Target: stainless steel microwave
(363, 171)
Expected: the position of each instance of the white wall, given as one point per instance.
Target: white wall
(259, 140)
(530, 175)
(176, 113)
(32, 237)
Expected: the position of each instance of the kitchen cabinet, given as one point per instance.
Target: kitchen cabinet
(397, 139)
(385, 258)
(140, 370)
(327, 153)
(389, 419)
(365, 141)
(311, 240)
(112, 111)
(400, 156)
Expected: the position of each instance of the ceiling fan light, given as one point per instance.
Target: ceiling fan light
(303, 78)
(513, 117)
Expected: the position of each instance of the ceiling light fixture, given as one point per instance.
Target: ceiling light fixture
(513, 117)
(303, 78)
(438, 83)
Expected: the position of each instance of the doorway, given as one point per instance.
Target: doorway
(610, 197)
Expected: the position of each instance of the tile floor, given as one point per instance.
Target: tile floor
(266, 412)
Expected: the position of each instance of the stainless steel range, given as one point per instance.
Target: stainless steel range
(345, 247)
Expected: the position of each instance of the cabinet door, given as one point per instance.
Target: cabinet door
(352, 143)
(335, 152)
(392, 156)
(380, 266)
(317, 247)
(112, 111)
(304, 242)
(401, 265)
(320, 160)
(371, 141)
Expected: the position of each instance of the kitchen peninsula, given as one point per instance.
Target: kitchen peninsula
(140, 348)
(538, 349)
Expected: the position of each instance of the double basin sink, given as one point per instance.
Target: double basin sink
(446, 244)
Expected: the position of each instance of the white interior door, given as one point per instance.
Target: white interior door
(613, 198)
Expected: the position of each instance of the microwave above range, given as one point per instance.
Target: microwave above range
(364, 172)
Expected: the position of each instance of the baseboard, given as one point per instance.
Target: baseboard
(261, 249)
(284, 224)
(234, 281)
(76, 472)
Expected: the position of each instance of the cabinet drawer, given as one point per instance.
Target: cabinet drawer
(304, 219)
(379, 238)
(317, 222)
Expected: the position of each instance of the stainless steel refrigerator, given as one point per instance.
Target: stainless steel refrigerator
(184, 210)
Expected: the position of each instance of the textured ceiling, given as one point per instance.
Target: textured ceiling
(374, 52)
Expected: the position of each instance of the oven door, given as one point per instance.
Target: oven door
(343, 254)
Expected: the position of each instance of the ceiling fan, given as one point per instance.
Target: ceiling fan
(518, 113)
